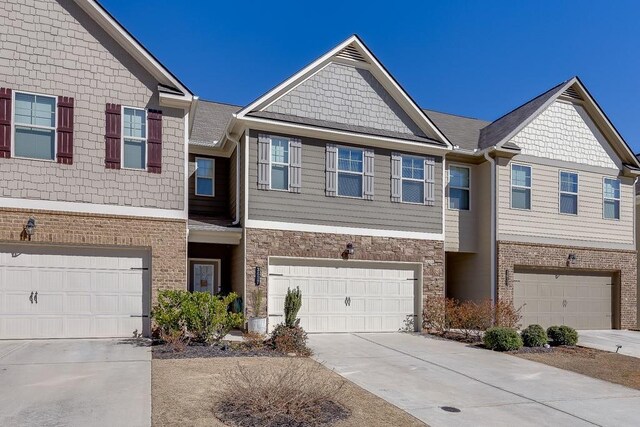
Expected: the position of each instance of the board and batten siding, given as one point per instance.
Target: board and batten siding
(461, 226)
(233, 175)
(312, 206)
(218, 205)
(545, 221)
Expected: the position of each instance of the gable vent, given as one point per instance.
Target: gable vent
(350, 52)
(572, 93)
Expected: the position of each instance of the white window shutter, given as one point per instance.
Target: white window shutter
(396, 177)
(430, 181)
(331, 173)
(264, 176)
(295, 165)
(369, 178)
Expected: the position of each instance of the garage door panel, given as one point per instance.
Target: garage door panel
(380, 298)
(75, 287)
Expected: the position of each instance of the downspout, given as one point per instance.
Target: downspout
(236, 221)
(492, 161)
(635, 240)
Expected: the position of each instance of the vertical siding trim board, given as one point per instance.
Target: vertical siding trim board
(5, 123)
(113, 134)
(264, 175)
(331, 172)
(430, 181)
(154, 141)
(396, 177)
(369, 177)
(64, 129)
(295, 165)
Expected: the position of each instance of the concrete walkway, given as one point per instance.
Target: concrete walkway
(608, 340)
(75, 383)
(422, 375)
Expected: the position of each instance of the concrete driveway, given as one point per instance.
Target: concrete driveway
(608, 340)
(423, 375)
(75, 383)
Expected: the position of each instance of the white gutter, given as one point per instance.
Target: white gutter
(235, 141)
(493, 227)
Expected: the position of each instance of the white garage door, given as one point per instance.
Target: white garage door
(345, 296)
(54, 292)
(579, 300)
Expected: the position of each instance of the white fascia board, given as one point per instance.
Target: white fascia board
(174, 101)
(130, 44)
(218, 237)
(269, 125)
(333, 229)
(91, 208)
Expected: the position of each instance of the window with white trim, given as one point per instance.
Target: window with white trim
(350, 172)
(204, 176)
(611, 198)
(520, 186)
(568, 193)
(35, 126)
(279, 163)
(412, 180)
(134, 138)
(459, 188)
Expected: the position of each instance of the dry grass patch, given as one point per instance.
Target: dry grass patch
(189, 392)
(612, 367)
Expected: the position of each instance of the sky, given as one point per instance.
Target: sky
(473, 58)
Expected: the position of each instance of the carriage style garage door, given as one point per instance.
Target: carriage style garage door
(579, 300)
(347, 296)
(57, 292)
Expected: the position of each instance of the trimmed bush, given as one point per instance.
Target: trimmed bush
(534, 336)
(290, 339)
(502, 339)
(197, 316)
(562, 335)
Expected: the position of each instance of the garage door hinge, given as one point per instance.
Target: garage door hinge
(412, 279)
(276, 274)
(139, 268)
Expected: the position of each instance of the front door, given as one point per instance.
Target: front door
(203, 276)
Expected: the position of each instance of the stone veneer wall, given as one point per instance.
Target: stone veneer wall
(261, 244)
(165, 238)
(622, 262)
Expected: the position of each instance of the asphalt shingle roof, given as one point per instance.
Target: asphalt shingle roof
(210, 121)
(461, 131)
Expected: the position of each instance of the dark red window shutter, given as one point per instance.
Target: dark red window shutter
(154, 141)
(65, 130)
(112, 136)
(5, 123)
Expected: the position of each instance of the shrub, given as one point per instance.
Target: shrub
(296, 394)
(502, 339)
(507, 315)
(197, 316)
(562, 335)
(534, 336)
(292, 304)
(434, 316)
(292, 339)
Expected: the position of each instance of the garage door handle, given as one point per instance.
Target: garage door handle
(564, 303)
(31, 297)
(35, 297)
(139, 315)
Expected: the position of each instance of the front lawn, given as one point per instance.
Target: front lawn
(187, 391)
(604, 365)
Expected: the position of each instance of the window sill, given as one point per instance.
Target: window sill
(35, 159)
(208, 196)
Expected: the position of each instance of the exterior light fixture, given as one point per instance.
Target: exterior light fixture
(571, 259)
(29, 229)
(350, 249)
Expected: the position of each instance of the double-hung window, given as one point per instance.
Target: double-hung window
(520, 186)
(350, 172)
(412, 180)
(134, 141)
(35, 126)
(279, 163)
(204, 177)
(459, 188)
(611, 198)
(568, 193)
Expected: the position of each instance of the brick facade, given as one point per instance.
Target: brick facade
(622, 263)
(261, 244)
(165, 238)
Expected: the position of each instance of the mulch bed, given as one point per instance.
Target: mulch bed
(455, 336)
(328, 413)
(235, 349)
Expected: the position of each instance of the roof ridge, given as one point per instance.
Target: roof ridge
(219, 102)
(455, 115)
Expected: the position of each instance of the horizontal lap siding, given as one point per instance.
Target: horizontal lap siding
(311, 206)
(544, 219)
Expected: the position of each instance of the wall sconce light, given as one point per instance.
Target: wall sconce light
(571, 259)
(29, 229)
(348, 251)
